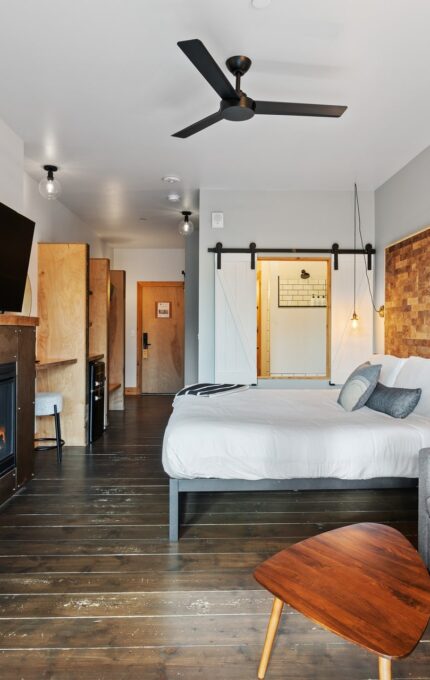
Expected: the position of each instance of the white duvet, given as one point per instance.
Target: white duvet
(284, 434)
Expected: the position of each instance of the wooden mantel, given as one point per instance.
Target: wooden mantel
(17, 320)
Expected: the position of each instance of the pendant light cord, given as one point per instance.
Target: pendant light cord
(355, 247)
(357, 219)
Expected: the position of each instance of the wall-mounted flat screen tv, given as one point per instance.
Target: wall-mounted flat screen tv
(16, 237)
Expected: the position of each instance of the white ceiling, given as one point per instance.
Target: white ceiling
(99, 86)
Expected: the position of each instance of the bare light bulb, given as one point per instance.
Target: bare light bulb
(49, 187)
(186, 227)
(354, 320)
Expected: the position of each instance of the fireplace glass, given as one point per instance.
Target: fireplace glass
(7, 416)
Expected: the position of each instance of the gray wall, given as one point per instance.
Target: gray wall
(273, 219)
(402, 207)
(191, 307)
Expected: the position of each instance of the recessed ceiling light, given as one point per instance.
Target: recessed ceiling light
(260, 4)
(171, 179)
(173, 197)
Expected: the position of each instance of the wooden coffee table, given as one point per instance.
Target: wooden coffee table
(364, 582)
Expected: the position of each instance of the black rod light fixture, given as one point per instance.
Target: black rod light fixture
(186, 227)
(50, 187)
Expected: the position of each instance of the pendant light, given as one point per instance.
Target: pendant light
(354, 318)
(186, 227)
(50, 187)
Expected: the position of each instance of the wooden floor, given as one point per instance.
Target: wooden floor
(90, 588)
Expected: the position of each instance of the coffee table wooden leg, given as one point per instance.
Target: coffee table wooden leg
(384, 668)
(270, 636)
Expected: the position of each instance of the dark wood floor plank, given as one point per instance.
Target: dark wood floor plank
(182, 603)
(233, 662)
(125, 582)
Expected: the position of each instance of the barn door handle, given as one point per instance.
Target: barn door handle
(145, 343)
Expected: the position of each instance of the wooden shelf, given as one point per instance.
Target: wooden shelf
(16, 320)
(96, 357)
(43, 364)
(114, 386)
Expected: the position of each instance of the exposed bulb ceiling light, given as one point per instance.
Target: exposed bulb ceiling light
(171, 179)
(186, 227)
(50, 187)
(260, 4)
(173, 197)
(354, 320)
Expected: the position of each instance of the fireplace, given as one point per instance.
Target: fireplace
(7, 417)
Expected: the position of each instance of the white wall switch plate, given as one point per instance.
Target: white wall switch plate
(217, 220)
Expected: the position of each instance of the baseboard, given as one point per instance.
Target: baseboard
(131, 391)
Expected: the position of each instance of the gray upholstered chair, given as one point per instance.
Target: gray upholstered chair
(424, 506)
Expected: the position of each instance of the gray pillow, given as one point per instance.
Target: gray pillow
(359, 386)
(397, 402)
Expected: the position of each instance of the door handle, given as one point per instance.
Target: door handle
(145, 343)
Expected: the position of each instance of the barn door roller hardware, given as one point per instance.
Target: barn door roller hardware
(335, 250)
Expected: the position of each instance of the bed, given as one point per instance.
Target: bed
(286, 439)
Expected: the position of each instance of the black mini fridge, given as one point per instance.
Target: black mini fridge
(96, 400)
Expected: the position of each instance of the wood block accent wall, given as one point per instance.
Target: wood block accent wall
(407, 296)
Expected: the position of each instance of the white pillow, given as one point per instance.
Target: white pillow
(391, 367)
(416, 373)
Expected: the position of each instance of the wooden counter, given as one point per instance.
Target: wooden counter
(96, 357)
(43, 364)
(17, 320)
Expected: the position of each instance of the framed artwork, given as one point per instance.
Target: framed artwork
(163, 310)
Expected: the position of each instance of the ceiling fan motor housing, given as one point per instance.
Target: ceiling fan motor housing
(238, 109)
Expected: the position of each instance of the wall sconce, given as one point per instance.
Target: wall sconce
(50, 187)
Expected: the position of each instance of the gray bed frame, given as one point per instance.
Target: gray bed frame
(181, 486)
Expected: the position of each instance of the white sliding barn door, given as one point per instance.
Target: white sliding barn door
(350, 346)
(235, 320)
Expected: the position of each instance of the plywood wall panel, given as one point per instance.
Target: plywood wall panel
(117, 340)
(99, 315)
(63, 334)
(407, 296)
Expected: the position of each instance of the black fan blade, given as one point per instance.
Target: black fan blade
(200, 125)
(205, 63)
(293, 109)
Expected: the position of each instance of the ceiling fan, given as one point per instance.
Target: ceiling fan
(235, 104)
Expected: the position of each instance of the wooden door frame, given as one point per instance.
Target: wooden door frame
(140, 286)
(327, 260)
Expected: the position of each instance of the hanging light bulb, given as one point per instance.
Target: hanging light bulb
(186, 227)
(50, 187)
(354, 320)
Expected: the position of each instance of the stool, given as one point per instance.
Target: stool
(50, 404)
(365, 582)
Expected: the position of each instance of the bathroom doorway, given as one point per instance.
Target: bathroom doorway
(293, 318)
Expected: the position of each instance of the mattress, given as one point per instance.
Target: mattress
(286, 434)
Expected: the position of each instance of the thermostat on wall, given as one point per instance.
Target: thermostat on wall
(217, 220)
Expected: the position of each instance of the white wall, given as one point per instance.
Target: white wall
(306, 219)
(54, 222)
(11, 168)
(143, 265)
(191, 308)
(402, 207)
